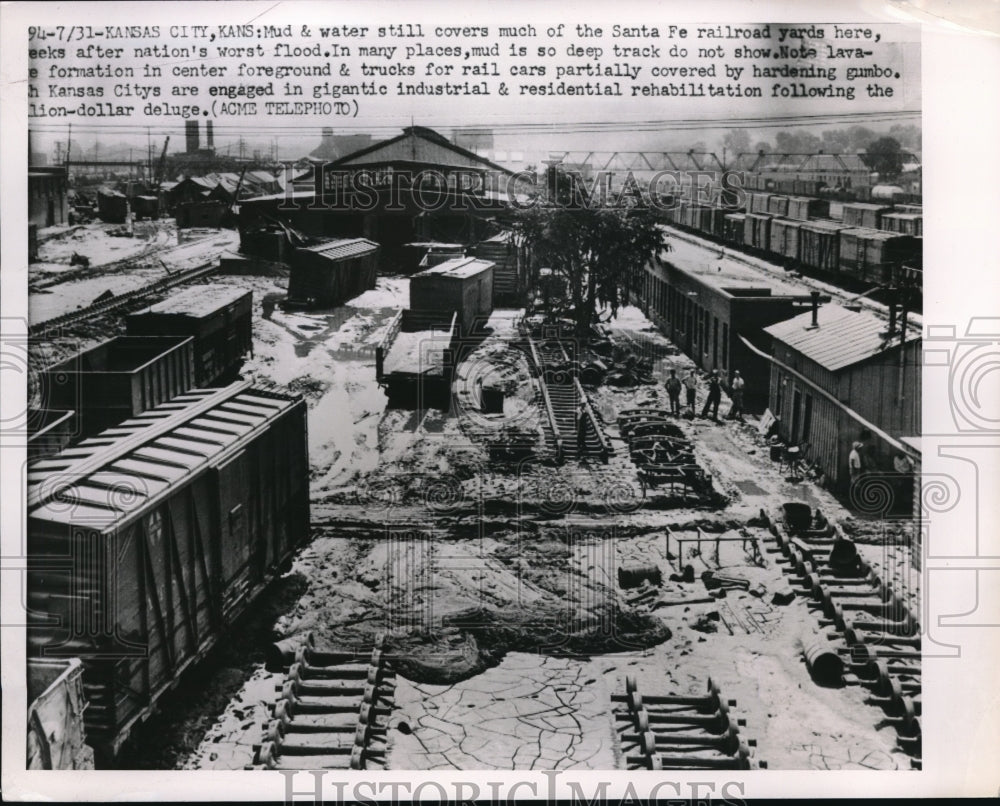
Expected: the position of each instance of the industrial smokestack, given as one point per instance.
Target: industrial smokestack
(192, 136)
(210, 140)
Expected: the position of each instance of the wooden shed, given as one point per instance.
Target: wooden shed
(119, 378)
(148, 541)
(834, 360)
(332, 272)
(219, 317)
(461, 285)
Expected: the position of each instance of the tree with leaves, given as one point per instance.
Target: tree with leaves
(598, 250)
(885, 156)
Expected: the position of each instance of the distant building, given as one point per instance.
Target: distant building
(418, 186)
(47, 204)
(834, 361)
(334, 146)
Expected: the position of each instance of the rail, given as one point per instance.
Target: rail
(386, 344)
(43, 329)
(602, 439)
(545, 397)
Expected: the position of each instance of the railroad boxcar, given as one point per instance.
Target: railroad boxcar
(717, 221)
(785, 238)
(908, 208)
(808, 187)
(698, 217)
(778, 205)
(330, 273)
(462, 285)
(864, 215)
(120, 378)
(872, 255)
(218, 317)
(147, 542)
(904, 223)
(112, 206)
(49, 431)
(146, 206)
(819, 245)
(757, 202)
(734, 227)
(757, 231)
(806, 208)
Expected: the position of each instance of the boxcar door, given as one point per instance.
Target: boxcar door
(234, 537)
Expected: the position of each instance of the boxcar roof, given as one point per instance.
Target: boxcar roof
(199, 300)
(874, 234)
(344, 248)
(843, 337)
(460, 268)
(104, 479)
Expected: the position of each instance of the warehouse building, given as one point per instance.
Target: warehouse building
(704, 310)
(47, 203)
(840, 376)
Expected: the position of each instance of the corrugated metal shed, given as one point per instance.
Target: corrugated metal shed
(843, 337)
(107, 477)
(343, 249)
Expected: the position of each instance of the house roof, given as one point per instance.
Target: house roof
(418, 144)
(842, 339)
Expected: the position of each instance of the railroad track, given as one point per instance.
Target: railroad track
(681, 732)
(42, 330)
(876, 636)
(331, 713)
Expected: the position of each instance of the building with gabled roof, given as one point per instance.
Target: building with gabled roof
(839, 376)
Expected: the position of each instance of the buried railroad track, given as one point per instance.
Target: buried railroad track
(681, 732)
(876, 636)
(331, 713)
(42, 330)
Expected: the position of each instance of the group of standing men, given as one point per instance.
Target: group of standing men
(690, 387)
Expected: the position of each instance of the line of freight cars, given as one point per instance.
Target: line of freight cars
(794, 186)
(793, 231)
(187, 495)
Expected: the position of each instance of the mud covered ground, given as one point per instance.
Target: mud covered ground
(497, 586)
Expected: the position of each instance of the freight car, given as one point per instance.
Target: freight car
(218, 317)
(806, 208)
(120, 378)
(785, 239)
(869, 255)
(864, 215)
(904, 223)
(819, 245)
(147, 542)
(112, 206)
(757, 232)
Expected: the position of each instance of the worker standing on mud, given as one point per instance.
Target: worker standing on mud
(581, 431)
(714, 396)
(673, 385)
(736, 393)
(691, 386)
